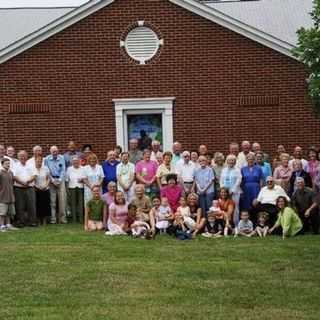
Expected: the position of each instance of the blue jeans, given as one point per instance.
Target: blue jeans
(205, 202)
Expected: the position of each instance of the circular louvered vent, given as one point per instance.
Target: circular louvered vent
(142, 44)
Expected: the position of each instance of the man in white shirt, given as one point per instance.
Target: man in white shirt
(267, 198)
(242, 156)
(155, 153)
(24, 177)
(185, 169)
(297, 155)
(37, 152)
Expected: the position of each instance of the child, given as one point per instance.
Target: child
(215, 221)
(162, 213)
(137, 228)
(262, 228)
(184, 212)
(7, 210)
(245, 226)
(95, 212)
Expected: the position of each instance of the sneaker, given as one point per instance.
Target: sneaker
(11, 227)
(3, 228)
(207, 234)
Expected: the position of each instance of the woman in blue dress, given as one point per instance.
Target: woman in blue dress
(252, 179)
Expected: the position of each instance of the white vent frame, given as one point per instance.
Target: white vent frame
(134, 46)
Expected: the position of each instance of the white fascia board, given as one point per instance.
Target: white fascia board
(143, 103)
(52, 28)
(236, 26)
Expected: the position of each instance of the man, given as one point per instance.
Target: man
(146, 170)
(37, 152)
(135, 154)
(2, 153)
(185, 169)
(7, 209)
(145, 141)
(203, 150)
(72, 151)
(155, 150)
(109, 167)
(142, 203)
(25, 196)
(266, 200)
(297, 155)
(256, 148)
(307, 206)
(242, 156)
(298, 172)
(57, 167)
(177, 149)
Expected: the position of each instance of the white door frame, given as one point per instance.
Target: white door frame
(162, 106)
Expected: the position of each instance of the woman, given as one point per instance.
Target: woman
(118, 215)
(108, 197)
(94, 175)
(172, 191)
(231, 179)
(277, 161)
(86, 152)
(42, 190)
(146, 170)
(313, 164)
(282, 173)
(125, 176)
(227, 206)
(217, 165)
(164, 169)
(194, 158)
(74, 177)
(252, 179)
(265, 166)
(288, 220)
(204, 184)
(196, 213)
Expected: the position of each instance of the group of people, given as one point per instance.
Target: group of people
(145, 192)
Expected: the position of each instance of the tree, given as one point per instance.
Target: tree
(308, 52)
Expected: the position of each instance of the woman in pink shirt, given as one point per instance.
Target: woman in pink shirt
(282, 173)
(172, 191)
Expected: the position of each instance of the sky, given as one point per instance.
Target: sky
(40, 3)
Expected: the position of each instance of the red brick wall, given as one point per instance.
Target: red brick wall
(78, 72)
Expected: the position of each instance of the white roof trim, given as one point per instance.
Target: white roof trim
(190, 5)
(236, 26)
(52, 28)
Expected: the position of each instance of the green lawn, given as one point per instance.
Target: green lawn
(61, 272)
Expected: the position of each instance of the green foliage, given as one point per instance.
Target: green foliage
(308, 52)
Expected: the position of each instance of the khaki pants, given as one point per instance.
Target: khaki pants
(58, 193)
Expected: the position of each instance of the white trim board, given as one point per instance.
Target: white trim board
(161, 105)
(190, 5)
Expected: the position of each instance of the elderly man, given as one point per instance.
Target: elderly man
(185, 169)
(155, 150)
(70, 153)
(24, 177)
(256, 148)
(109, 167)
(266, 200)
(176, 149)
(57, 167)
(37, 152)
(11, 156)
(242, 156)
(142, 202)
(298, 155)
(298, 172)
(307, 205)
(135, 154)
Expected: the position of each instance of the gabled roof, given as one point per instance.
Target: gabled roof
(272, 23)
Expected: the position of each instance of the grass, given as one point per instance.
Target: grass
(61, 272)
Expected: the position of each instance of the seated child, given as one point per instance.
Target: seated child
(136, 227)
(262, 228)
(94, 212)
(163, 214)
(184, 211)
(215, 221)
(245, 226)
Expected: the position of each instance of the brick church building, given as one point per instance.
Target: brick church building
(200, 72)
